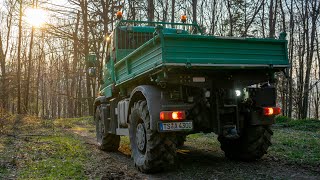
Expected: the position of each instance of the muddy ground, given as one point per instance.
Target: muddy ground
(195, 161)
(200, 158)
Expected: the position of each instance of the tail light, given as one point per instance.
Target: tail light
(172, 115)
(270, 111)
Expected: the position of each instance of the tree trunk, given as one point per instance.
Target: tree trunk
(273, 18)
(290, 84)
(310, 51)
(150, 10)
(194, 11)
(74, 68)
(19, 60)
(84, 10)
(230, 18)
(3, 77)
(173, 3)
(26, 103)
(213, 17)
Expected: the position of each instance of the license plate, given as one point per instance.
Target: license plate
(176, 126)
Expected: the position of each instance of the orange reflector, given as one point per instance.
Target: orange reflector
(172, 115)
(269, 111)
(119, 14)
(183, 18)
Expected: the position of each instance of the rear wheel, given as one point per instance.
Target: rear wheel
(151, 151)
(251, 145)
(106, 141)
(181, 138)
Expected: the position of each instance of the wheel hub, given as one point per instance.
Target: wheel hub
(141, 137)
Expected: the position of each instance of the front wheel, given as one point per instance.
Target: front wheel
(151, 151)
(252, 144)
(106, 141)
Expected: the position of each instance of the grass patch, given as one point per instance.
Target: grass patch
(125, 145)
(282, 119)
(73, 122)
(33, 148)
(311, 125)
(3, 171)
(305, 125)
(296, 146)
(203, 140)
(6, 122)
(60, 156)
(83, 125)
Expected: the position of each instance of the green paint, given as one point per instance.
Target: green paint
(139, 50)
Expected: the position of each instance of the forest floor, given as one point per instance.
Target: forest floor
(32, 148)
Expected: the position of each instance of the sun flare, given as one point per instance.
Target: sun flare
(35, 17)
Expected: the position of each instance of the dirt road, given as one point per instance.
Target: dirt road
(66, 149)
(196, 160)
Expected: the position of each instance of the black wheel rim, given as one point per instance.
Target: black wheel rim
(141, 138)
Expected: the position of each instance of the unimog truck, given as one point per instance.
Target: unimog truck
(163, 81)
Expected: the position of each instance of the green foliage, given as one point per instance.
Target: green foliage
(36, 149)
(6, 122)
(3, 171)
(298, 140)
(299, 147)
(305, 125)
(73, 122)
(282, 119)
(204, 139)
(53, 157)
(312, 125)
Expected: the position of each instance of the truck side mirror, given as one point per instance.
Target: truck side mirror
(92, 60)
(108, 58)
(92, 72)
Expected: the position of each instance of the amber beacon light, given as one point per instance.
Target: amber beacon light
(119, 14)
(183, 18)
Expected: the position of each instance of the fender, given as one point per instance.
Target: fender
(154, 101)
(99, 100)
(108, 112)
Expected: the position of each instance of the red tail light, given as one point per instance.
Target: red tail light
(270, 111)
(172, 115)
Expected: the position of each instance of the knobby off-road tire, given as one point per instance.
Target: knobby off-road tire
(151, 151)
(180, 139)
(251, 145)
(106, 141)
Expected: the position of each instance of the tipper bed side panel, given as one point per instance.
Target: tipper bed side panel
(195, 49)
(138, 62)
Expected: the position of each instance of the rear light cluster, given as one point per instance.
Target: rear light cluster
(270, 111)
(172, 115)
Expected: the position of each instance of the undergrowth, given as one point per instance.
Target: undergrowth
(311, 125)
(32, 148)
(59, 156)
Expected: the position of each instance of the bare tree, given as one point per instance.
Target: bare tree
(315, 11)
(150, 10)
(19, 60)
(272, 17)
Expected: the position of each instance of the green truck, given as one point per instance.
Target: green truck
(163, 81)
